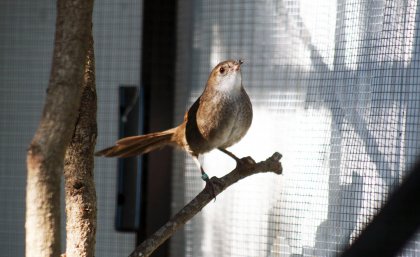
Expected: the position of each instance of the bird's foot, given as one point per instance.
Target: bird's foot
(245, 162)
(239, 161)
(210, 184)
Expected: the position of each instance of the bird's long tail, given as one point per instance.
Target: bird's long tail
(136, 145)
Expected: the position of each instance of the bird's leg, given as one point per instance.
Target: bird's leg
(230, 154)
(204, 176)
(238, 160)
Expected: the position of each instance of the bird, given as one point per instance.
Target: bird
(219, 118)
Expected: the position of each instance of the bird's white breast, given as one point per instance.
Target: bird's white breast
(231, 84)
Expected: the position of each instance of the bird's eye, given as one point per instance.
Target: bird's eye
(222, 70)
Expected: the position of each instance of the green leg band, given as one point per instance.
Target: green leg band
(204, 177)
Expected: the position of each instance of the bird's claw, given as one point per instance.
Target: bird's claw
(211, 185)
(245, 161)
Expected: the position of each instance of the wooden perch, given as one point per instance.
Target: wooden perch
(245, 168)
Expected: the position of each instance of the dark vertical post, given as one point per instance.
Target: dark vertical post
(129, 192)
(158, 79)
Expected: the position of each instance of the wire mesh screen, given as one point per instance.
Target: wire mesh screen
(26, 46)
(117, 34)
(334, 85)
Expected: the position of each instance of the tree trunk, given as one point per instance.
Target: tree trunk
(46, 152)
(78, 171)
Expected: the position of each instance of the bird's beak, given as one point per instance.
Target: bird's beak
(238, 64)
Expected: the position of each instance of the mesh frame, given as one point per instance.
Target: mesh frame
(334, 89)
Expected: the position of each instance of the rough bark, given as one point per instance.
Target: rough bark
(245, 168)
(46, 152)
(78, 171)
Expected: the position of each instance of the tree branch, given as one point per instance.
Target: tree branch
(245, 168)
(46, 152)
(78, 170)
